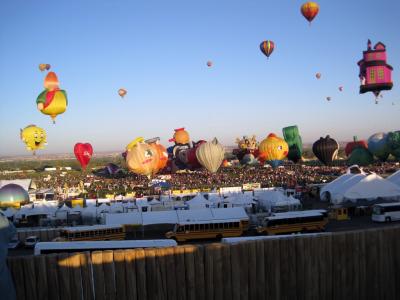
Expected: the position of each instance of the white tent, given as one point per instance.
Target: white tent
(395, 178)
(240, 200)
(9, 212)
(198, 202)
(273, 200)
(337, 189)
(372, 187)
(116, 208)
(77, 209)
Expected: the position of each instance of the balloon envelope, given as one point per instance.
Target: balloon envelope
(267, 47)
(83, 153)
(378, 145)
(122, 92)
(34, 137)
(211, 155)
(326, 149)
(309, 10)
(11, 194)
(293, 139)
(273, 149)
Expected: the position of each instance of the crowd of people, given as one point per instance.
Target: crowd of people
(287, 176)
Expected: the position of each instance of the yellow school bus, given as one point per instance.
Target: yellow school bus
(294, 222)
(207, 229)
(92, 233)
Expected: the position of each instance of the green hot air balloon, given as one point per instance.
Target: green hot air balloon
(360, 156)
(293, 138)
(211, 155)
(394, 143)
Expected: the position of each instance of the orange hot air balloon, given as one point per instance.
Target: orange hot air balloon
(51, 82)
(161, 151)
(42, 67)
(267, 47)
(181, 136)
(309, 10)
(318, 75)
(122, 92)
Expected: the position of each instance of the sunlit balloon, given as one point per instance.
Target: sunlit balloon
(161, 151)
(273, 150)
(293, 139)
(34, 137)
(309, 10)
(13, 195)
(181, 137)
(378, 145)
(267, 47)
(83, 153)
(211, 155)
(142, 158)
(122, 92)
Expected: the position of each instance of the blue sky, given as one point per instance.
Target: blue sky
(158, 51)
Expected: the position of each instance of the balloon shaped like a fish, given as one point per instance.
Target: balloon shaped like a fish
(326, 149)
(309, 10)
(52, 101)
(83, 153)
(181, 136)
(273, 150)
(360, 156)
(378, 145)
(293, 139)
(211, 155)
(394, 143)
(267, 47)
(34, 137)
(142, 158)
(122, 92)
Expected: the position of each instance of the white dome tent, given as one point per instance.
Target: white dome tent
(395, 178)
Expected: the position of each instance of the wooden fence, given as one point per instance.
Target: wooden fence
(44, 234)
(347, 265)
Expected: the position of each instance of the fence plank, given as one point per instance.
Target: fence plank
(86, 275)
(63, 276)
(41, 277)
(244, 270)
(109, 274)
(179, 254)
(162, 272)
(272, 268)
(52, 276)
(74, 264)
(190, 271)
(29, 277)
(300, 265)
(372, 268)
(17, 272)
(252, 261)
(288, 268)
(235, 267)
(98, 275)
(151, 276)
(209, 272)
(172, 283)
(199, 269)
(141, 274)
(130, 268)
(120, 274)
(226, 271)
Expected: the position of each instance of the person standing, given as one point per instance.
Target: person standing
(7, 231)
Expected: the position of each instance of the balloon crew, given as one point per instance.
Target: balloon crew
(52, 101)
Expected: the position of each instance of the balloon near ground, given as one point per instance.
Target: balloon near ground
(293, 139)
(211, 155)
(378, 145)
(394, 143)
(326, 149)
(360, 156)
(375, 74)
(34, 137)
(267, 47)
(52, 101)
(13, 195)
(273, 150)
(309, 10)
(247, 150)
(181, 137)
(355, 144)
(83, 153)
(161, 152)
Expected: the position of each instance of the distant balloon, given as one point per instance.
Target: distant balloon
(211, 155)
(209, 63)
(122, 92)
(83, 153)
(341, 88)
(326, 149)
(309, 10)
(318, 75)
(267, 47)
(328, 98)
(43, 67)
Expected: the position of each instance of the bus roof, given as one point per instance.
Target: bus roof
(211, 221)
(290, 215)
(88, 228)
(388, 204)
(100, 245)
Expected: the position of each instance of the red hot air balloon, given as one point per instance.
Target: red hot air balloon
(83, 153)
(309, 10)
(267, 47)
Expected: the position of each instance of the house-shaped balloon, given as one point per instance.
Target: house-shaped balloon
(375, 74)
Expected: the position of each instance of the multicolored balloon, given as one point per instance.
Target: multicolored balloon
(267, 47)
(326, 149)
(273, 150)
(34, 137)
(122, 92)
(378, 145)
(52, 101)
(43, 67)
(181, 137)
(83, 153)
(355, 144)
(309, 10)
(142, 158)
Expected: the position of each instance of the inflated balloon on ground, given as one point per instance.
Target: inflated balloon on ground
(378, 145)
(394, 143)
(211, 155)
(273, 150)
(360, 156)
(293, 139)
(326, 149)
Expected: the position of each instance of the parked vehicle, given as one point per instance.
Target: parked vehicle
(31, 241)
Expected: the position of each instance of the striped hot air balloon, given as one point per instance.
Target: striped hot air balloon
(267, 47)
(309, 10)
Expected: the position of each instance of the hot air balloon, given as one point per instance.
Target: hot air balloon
(341, 88)
(161, 151)
(211, 155)
(309, 10)
(34, 137)
(181, 137)
(360, 156)
(209, 63)
(328, 98)
(13, 195)
(326, 149)
(378, 145)
(192, 161)
(52, 101)
(394, 143)
(142, 158)
(83, 153)
(293, 139)
(355, 144)
(267, 47)
(375, 74)
(273, 150)
(122, 92)
(318, 75)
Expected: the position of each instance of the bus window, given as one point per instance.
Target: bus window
(201, 227)
(207, 226)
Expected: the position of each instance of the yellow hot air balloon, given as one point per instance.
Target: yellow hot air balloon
(211, 155)
(142, 158)
(273, 149)
(34, 137)
(52, 101)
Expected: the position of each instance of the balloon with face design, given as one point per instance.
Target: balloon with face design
(34, 137)
(273, 150)
(142, 158)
